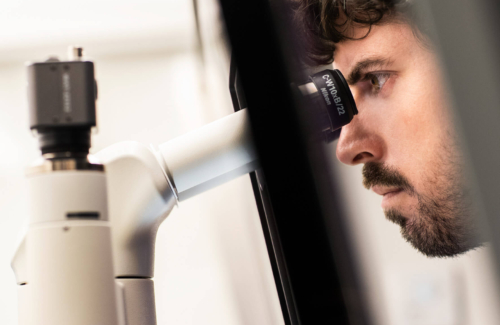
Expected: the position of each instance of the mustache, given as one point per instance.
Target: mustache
(377, 174)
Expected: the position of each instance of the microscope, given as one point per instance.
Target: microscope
(88, 254)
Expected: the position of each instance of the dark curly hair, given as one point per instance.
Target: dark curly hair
(323, 23)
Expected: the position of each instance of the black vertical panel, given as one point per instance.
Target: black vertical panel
(266, 215)
(313, 256)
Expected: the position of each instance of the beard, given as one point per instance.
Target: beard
(441, 223)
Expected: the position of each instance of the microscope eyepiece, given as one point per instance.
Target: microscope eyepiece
(61, 96)
(333, 102)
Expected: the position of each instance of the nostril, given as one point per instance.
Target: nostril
(361, 156)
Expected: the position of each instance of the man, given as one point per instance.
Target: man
(404, 132)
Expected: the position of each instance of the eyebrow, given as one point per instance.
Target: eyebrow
(357, 72)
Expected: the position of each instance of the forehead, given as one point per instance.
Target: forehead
(391, 41)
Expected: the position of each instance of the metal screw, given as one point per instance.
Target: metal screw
(75, 53)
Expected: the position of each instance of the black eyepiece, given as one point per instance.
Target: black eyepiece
(336, 100)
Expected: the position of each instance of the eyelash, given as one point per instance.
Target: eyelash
(377, 81)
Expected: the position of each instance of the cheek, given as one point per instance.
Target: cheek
(419, 125)
(424, 115)
(412, 123)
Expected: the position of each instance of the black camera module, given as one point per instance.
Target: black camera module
(61, 96)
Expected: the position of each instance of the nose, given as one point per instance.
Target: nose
(359, 143)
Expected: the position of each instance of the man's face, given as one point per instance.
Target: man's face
(405, 138)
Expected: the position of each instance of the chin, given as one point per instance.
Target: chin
(436, 235)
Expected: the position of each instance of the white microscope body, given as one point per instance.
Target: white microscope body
(64, 265)
(88, 255)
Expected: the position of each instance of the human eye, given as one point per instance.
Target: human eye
(376, 81)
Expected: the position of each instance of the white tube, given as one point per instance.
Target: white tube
(209, 156)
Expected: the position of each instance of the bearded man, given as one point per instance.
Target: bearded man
(404, 133)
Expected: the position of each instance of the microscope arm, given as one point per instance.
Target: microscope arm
(144, 186)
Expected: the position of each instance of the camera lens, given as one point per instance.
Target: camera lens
(64, 139)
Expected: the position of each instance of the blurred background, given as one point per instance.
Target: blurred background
(162, 68)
